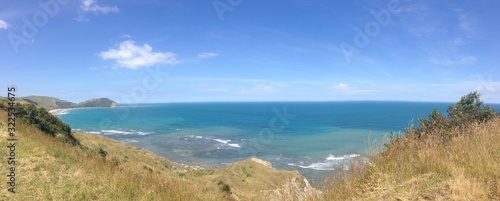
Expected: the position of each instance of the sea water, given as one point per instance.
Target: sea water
(315, 138)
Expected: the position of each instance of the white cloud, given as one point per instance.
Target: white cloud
(205, 55)
(81, 18)
(468, 24)
(342, 85)
(347, 90)
(259, 89)
(445, 61)
(263, 89)
(93, 7)
(129, 55)
(3, 24)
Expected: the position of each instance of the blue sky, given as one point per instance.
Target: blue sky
(242, 50)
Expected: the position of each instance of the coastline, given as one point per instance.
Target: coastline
(63, 110)
(60, 111)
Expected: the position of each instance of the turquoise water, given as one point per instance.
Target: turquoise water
(311, 137)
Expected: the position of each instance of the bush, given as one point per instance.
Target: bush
(469, 110)
(224, 187)
(46, 122)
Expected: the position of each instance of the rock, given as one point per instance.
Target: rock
(263, 162)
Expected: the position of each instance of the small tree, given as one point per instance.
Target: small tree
(470, 109)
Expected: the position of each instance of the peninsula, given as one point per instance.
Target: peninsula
(53, 104)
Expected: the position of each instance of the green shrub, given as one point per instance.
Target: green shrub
(224, 187)
(470, 109)
(46, 122)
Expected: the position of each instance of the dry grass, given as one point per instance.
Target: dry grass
(412, 168)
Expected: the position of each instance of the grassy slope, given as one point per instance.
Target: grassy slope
(48, 103)
(467, 168)
(51, 170)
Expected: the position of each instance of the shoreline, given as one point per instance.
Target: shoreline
(60, 110)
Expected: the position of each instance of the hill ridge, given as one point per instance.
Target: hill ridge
(51, 103)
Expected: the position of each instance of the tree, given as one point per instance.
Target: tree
(470, 109)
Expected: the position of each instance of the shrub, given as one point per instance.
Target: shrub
(469, 110)
(224, 187)
(46, 122)
(102, 152)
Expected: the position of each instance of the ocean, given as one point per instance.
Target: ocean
(315, 138)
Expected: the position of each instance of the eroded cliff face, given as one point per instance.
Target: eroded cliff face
(297, 188)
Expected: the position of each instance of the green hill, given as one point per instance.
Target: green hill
(50, 103)
(51, 166)
(98, 102)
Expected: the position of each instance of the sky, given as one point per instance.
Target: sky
(155, 51)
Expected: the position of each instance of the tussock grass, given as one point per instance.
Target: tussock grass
(421, 166)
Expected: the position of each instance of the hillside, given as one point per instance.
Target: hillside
(454, 157)
(50, 103)
(98, 102)
(99, 168)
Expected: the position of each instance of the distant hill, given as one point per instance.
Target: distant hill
(98, 102)
(50, 103)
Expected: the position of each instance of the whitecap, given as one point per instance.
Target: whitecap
(143, 133)
(115, 132)
(222, 141)
(121, 132)
(331, 157)
(329, 163)
(234, 145)
(226, 142)
(128, 141)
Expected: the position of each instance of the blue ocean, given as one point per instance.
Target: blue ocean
(315, 138)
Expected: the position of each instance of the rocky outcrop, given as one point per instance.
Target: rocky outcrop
(295, 189)
(260, 161)
(255, 179)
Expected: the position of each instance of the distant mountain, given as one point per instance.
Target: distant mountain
(50, 103)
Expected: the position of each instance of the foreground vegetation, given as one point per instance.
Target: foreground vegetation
(454, 157)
